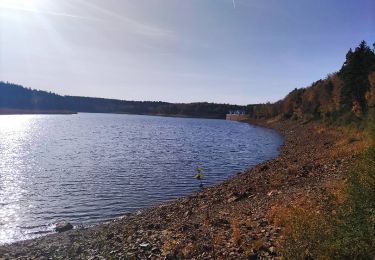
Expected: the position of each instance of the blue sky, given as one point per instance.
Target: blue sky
(178, 50)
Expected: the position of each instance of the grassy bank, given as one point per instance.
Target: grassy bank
(343, 227)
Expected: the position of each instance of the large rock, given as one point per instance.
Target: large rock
(64, 226)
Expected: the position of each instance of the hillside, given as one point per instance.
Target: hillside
(343, 97)
(18, 99)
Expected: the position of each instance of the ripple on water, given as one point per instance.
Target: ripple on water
(89, 168)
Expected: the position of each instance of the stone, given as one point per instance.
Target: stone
(184, 228)
(272, 250)
(110, 236)
(187, 213)
(264, 222)
(170, 256)
(155, 250)
(253, 256)
(220, 222)
(153, 226)
(63, 227)
(145, 245)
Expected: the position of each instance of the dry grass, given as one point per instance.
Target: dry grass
(349, 140)
(236, 231)
(219, 239)
(338, 190)
(303, 230)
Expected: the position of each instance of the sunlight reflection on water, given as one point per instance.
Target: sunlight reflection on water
(13, 131)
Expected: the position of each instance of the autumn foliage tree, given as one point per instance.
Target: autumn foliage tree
(345, 95)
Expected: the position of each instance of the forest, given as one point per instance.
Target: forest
(18, 98)
(342, 97)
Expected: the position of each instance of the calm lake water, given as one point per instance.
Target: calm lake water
(89, 168)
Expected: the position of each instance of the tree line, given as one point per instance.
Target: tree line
(17, 97)
(344, 96)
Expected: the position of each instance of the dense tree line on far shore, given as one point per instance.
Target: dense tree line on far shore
(345, 96)
(20, 98)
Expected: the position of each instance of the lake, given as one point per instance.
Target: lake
(89, 168)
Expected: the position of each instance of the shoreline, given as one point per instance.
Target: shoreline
(229, 219)
(13, 112)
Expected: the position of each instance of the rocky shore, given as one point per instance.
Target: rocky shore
(231, 220)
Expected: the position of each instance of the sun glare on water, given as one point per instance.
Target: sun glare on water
(15, 123)
(14, 130)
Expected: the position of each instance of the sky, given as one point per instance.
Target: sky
(241, 52)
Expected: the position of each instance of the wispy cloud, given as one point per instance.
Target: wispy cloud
(133, 25)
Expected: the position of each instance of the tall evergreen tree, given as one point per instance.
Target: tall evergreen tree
(354, 74)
